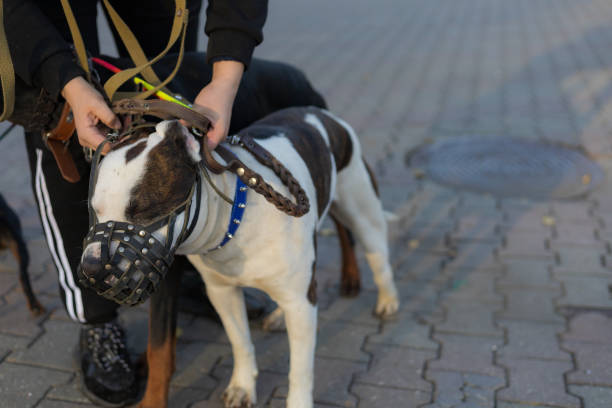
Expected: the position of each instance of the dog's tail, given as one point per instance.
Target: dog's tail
(391, 216)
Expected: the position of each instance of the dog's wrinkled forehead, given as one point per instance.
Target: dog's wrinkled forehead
(139, 182)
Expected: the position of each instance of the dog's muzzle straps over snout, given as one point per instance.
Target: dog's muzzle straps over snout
(132, 261)
(130, 274)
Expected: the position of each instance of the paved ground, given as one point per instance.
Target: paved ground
(506, 303)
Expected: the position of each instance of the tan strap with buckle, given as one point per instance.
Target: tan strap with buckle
(7, 73)
(57, 140)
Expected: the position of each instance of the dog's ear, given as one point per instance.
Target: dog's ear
(175, 132)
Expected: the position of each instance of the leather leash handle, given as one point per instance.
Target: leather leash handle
(7, 73)
(257, 183)
(56, 141)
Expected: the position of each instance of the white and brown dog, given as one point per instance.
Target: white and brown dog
(270, 251)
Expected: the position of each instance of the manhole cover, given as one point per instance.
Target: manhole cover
(509, 167)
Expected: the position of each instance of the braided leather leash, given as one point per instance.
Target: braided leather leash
(201, 122)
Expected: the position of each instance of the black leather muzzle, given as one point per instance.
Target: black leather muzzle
(132, 262)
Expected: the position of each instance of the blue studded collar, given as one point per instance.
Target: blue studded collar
(240, 199)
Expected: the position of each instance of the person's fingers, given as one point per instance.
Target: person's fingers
(106, 115)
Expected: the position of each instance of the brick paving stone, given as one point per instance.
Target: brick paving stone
(203, 329)
(524, 245)
(475, 256)
(586, 291)
(528, 273)
(597, 271)
(8, 274)
(582, 258)
(61, 337)
(332, 380)
(529, 220)
(10, 343)
(477, 286)
(342, 340)
(593, 361)
(589, 328)
(418, 265)
(357, 311)
(470, 319)
(195, 363)
(537, 382)
(68, 392)
(376, 397)
(397, 367)
(22, 386)
(15, 318)
(434, 242)
(532, 340)
(467, 354)
(282, 403)
(404, 331)
(455, 389)
(477, 228)
(576, 234)
(574, 212)
(593, 397)
(530, 305)
(47, 403)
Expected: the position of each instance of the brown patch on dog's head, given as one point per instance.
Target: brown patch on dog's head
(135, 151)
(167, 180)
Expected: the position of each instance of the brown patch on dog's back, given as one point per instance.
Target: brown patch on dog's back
(372, 178)
(340, 141)
(311, 295)
(135, 151)
(167, 179)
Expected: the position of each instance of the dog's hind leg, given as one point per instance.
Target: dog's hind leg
(161, 349)
(350, 282)
(357, 206)
(20, 251)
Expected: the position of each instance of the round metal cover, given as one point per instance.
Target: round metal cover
(508, 167)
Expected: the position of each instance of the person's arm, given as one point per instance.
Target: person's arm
(43, 59)
(234, 28)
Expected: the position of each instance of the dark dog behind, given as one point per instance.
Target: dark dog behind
(11, 238)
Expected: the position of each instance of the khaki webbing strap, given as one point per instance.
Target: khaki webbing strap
(131, 44)
(179, 28)
(7, 74)
(79, 45)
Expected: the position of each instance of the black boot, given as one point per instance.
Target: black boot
(108, 377)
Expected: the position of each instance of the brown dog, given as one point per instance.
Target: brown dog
(11, 238)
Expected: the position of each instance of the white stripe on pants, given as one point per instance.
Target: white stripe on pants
(74, 301)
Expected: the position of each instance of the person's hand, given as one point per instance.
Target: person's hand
(219, 96)
(88, 108)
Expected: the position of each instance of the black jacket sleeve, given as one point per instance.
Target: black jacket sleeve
(41, 57)
(234, 28)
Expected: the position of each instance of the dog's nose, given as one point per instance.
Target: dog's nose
(91, 264)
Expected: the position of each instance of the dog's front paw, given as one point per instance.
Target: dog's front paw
(387, 304)
(275, 321)
(236, 397)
